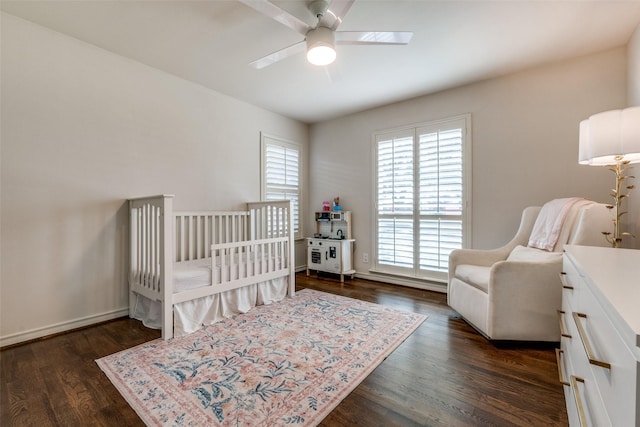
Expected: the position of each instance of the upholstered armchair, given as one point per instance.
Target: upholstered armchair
(513, 292)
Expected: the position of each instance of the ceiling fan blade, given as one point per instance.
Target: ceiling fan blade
(335, 14)
(279, 55)
(333, 73)
(373, 37)
(282, 16)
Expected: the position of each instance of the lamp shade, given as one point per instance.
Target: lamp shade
(320, 46)
(604, 136)
(583, 142)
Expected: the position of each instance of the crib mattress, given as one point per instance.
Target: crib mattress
(197, 273)
(191, 274)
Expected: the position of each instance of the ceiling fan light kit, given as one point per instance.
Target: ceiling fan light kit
(321, 46)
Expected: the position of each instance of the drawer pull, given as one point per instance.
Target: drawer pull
(563, 279)
(587, 345)
(559, 354)
(563, 330)
(576, 395)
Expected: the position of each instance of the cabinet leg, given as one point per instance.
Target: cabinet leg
(307, 272)
(342, 278)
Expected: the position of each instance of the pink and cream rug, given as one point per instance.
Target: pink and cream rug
(288, 363)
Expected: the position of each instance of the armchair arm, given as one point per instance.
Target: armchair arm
(486, 258)
(523, 299)
(483, 258)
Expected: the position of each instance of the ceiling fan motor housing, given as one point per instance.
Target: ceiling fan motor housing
(320, 36)
(318, 8)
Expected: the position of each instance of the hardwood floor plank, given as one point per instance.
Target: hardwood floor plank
(16, 404)
(444, 374)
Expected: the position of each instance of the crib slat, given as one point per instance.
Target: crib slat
(179, 237)
(149, 248)
(139, 246)
(207, 236)
(155, 257)
(153, 229)
(147, 219)
(199, 251)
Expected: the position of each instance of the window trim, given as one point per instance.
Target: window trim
(266, 139)
(466, 216)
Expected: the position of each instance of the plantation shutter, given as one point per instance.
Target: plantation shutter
(420, 198)
(281, 176)
(395, 200)
(441, 195)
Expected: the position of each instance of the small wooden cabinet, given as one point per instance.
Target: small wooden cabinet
(599, 358)
(330, 256)
(331, 248)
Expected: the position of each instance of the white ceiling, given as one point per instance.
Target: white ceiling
(455, 42)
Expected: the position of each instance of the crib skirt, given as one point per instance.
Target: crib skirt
(189, 316)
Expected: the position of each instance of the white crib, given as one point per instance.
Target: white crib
(179, 261)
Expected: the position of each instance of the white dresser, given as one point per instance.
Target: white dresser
(599, 358)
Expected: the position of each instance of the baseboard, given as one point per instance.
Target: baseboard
(61, 327)
(397, 280)
(402, 281)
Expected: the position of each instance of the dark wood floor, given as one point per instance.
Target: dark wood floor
(445, 374)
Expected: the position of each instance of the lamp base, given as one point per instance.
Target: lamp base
(620, 169)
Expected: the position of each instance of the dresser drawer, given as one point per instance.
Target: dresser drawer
(572, 283)
(613, 367)
(586, 396)
(581, 390)
(574, 288)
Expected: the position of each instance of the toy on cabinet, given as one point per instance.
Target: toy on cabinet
(333, 225)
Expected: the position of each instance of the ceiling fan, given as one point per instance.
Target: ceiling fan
(320, 40)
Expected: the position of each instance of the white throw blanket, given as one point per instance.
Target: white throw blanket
(548, 225)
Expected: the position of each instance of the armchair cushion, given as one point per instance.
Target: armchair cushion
(474, 275)
(527, 254)
(478, 276)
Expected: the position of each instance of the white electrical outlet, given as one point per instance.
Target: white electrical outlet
(365, 257)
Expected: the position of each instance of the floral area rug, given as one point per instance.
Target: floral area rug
(288, 363)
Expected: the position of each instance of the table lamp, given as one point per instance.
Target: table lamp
(612, 139)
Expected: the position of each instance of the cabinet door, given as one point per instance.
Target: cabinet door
(315, 255)
(333, 258)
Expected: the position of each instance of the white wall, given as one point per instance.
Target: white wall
(83, 130)
(525, 144)
(633, 98)
(633, 52)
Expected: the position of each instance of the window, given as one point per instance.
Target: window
(422, 188)
(281, 174)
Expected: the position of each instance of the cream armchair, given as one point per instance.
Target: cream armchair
(514, 292)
